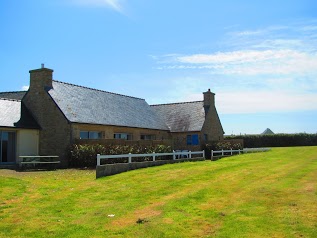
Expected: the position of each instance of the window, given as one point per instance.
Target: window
(192, 139)
(148, 137)
(90, 135)
(123, 136)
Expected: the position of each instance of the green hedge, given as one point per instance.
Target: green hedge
(84, 155)
(221, 145)
(277, 140)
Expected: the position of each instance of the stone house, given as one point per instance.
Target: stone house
(192, 124)
(53, 115)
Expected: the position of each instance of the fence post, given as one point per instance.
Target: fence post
(130, 158)
(212, 154)
(174, 157)
(190, 154)
(98, 159)
(153, 156)
(203, 153)
(239, 151)
(222, 152)
(231, 151)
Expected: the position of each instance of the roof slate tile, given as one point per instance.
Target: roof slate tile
(181, 117)
(85, 105)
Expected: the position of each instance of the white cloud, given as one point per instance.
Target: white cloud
(273, 50)
(249, 62)
(273, 69)
(238, 56)
(25, 88)
(113, 4)
(264, 101)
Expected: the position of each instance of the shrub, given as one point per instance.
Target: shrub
(277, 140)
(221, 145)
(85, 155)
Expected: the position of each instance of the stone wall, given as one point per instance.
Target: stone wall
(212, 126)
(112, 169)
(180, 141)
(55, 133)
(124, 142)
(109, 131)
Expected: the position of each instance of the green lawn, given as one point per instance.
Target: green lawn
(271, 194)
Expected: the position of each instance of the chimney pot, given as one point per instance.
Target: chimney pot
(42, 66)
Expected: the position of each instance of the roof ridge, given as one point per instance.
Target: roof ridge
(9, 99)
(154, 105)
(22, 91)
(98, 90)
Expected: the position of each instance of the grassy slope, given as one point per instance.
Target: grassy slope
(272, 194)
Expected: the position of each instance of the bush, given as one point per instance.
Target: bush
(277, 140)
(221, 145)
(85, 155)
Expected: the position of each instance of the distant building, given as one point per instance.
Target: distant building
(267, 131)
(52, 115)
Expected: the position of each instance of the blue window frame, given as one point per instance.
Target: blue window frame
(192, 139)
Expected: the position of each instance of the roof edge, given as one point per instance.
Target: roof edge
(98, 90)
(175, 103)
(10, 99)
(22, 91)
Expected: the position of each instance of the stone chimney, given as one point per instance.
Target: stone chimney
(209, 101)
(41, 78)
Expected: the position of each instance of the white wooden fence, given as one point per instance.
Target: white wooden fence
(175, 154)
(220, 153)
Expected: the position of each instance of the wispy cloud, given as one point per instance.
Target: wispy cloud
(116, 5)
(25, 88)
(271, 69)
(232, 102)
(249, 62)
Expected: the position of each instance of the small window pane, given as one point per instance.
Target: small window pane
(123, 136)
(94, 135)
(195, 140)
(84, 135)
(148, 137)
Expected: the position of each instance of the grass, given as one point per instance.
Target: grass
(271, 194)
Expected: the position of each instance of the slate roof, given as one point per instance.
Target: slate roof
(181, 117)
(86, 105)
(13, 113)
(13, 95)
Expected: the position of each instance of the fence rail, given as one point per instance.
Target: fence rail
(220, 153)
(175, 154)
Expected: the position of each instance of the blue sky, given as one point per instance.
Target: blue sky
(259, 57)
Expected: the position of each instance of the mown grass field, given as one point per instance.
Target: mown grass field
(271, 194)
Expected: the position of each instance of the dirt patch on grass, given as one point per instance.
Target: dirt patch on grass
(146, 213)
